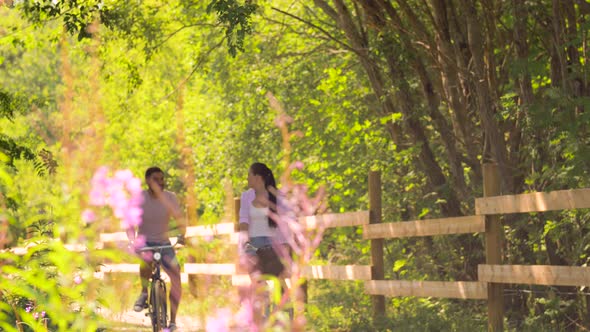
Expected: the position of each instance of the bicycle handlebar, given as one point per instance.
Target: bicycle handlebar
(250, 246)
(154, 248)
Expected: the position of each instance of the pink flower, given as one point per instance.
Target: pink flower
(88, 216)
(124, 175)
(132, 217)
(282, 120)
(134, 186)
(122, 193)
(117, 196)
(220, 322)
(77, 279)
(147, 256)
(99, 186)
(136, 199)
(97, 197)
(139, 242)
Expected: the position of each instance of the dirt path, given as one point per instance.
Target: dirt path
(137, 321)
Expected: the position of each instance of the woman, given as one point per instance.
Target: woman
(259, 231)
(258, 206)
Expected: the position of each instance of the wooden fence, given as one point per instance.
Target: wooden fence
(491, 275)
(334, 272)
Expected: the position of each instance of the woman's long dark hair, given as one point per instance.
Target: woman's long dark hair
(270, 185)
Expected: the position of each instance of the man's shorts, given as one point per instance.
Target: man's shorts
(168, 254)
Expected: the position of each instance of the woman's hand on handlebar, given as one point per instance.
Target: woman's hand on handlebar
(180, 240)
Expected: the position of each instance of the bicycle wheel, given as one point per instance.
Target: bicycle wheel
(158, 302)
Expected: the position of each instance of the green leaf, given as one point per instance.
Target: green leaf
(399, 264)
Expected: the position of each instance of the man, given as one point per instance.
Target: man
(159, 206)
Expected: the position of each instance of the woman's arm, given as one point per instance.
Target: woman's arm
(244, 218)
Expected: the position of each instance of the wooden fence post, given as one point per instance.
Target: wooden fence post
(377, 270)
(493, 241)
(236, 214)
(193, 279)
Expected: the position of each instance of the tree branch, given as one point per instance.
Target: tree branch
(329, 35)
(199, 63)
(180, 29)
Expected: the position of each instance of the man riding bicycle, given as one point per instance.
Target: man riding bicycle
(159, 206)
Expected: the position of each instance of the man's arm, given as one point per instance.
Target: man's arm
(180, 217)
(244, 220)
(173, 207)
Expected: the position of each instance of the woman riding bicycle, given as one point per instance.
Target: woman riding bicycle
(258, 229)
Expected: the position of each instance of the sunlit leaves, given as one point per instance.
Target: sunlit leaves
(236, 17)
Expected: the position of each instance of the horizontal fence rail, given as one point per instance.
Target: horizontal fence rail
(535, 274)
(443, 289)
(332, 220)
(226, 228)
(338, 272)
(534, 202)
(491, 276)
(430, 227)
(211, 269)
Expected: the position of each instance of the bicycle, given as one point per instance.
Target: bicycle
(157, 303)
(269, 264)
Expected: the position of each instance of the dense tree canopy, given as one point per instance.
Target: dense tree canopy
(424, 91)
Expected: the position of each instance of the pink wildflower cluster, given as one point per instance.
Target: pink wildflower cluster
(122, 193)
(294, 204)
(298, 204)
(219, 322)
(36, 315)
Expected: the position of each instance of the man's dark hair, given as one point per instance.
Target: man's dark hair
(152, 170)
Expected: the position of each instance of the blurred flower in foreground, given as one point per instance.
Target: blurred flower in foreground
(88, 216)
(139, 243)
(219, 323)
(122, 193)
(294, 203)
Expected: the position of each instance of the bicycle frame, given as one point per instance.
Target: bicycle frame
(157, 299)
(271, 292)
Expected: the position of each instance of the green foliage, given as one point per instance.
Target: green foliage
(235, 15)
(9, 104)
(49, 285)
(11, 148)
(151, 85)
(76, 15)
(342, 307)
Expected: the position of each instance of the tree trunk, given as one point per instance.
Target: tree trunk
(486, 105)
(342, 17)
